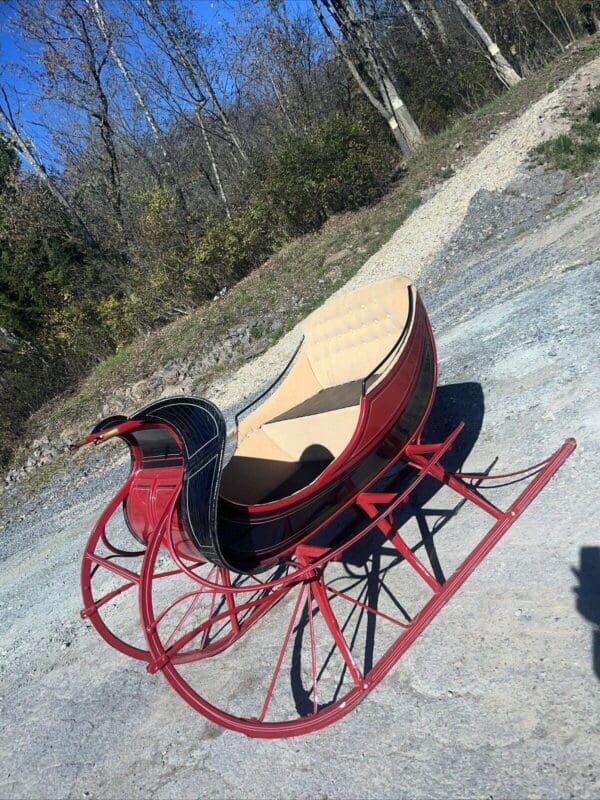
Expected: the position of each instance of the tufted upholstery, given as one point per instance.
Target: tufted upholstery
(314, 411)
(347, 337)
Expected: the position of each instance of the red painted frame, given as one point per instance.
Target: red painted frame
(308, 569)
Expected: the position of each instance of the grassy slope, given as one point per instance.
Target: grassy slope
(299, 277)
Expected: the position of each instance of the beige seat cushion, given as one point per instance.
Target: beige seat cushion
(299, 384)
(256, 468)
(330, 430)
(314, 411)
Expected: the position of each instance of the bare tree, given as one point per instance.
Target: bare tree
(176, 42)
(359, 46)
(565, 21)
(212, 159)
(74, 60)
(437, 20)
(186, 114)
(421, 27)
(97, 10)
(545, 25)
(25, 148)
(505, 72)
(172, 26)
(282, 65)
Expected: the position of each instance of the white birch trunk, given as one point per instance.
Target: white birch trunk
(213, 163)
(505, 72)
(40, 170)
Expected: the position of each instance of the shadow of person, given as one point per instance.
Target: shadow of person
(588, 597)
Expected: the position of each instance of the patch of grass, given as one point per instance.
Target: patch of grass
(594, 115)
(575, 151)
(114, 362)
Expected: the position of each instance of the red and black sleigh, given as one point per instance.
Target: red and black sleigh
(325, 460)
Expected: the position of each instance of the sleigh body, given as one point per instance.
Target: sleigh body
(324, 457)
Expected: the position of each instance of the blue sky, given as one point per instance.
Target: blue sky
(15, 53)
(21, 90)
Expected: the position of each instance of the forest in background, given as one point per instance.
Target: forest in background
(157, 156)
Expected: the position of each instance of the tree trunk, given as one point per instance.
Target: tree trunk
(385, 99)
(113, 183)
(536, 11)
(98, 13)
(421, 27)
(280, 103)
(101, 114)
(213, 163)
(505, 72)
(439, 24)
(400, 119)
(40, 170)
(565, 22)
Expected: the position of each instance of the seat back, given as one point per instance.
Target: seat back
(315, 409)
(349, 335)
(299, 384)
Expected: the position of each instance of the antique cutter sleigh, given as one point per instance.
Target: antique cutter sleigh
(325, 460)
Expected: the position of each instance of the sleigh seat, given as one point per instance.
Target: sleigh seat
(308, 421)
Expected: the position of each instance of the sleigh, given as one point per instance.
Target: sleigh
(326, 463)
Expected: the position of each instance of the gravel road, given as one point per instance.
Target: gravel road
(499, 698)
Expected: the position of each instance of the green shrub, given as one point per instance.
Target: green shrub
(341, 165)
(229, 249)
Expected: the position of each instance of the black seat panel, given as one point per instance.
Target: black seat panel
(345, 395)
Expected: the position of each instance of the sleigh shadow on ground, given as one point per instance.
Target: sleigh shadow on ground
(367, 563)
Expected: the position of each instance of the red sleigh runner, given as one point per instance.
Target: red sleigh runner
(325, 458)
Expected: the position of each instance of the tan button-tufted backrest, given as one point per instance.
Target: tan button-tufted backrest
(344, 341)
(349, 335)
